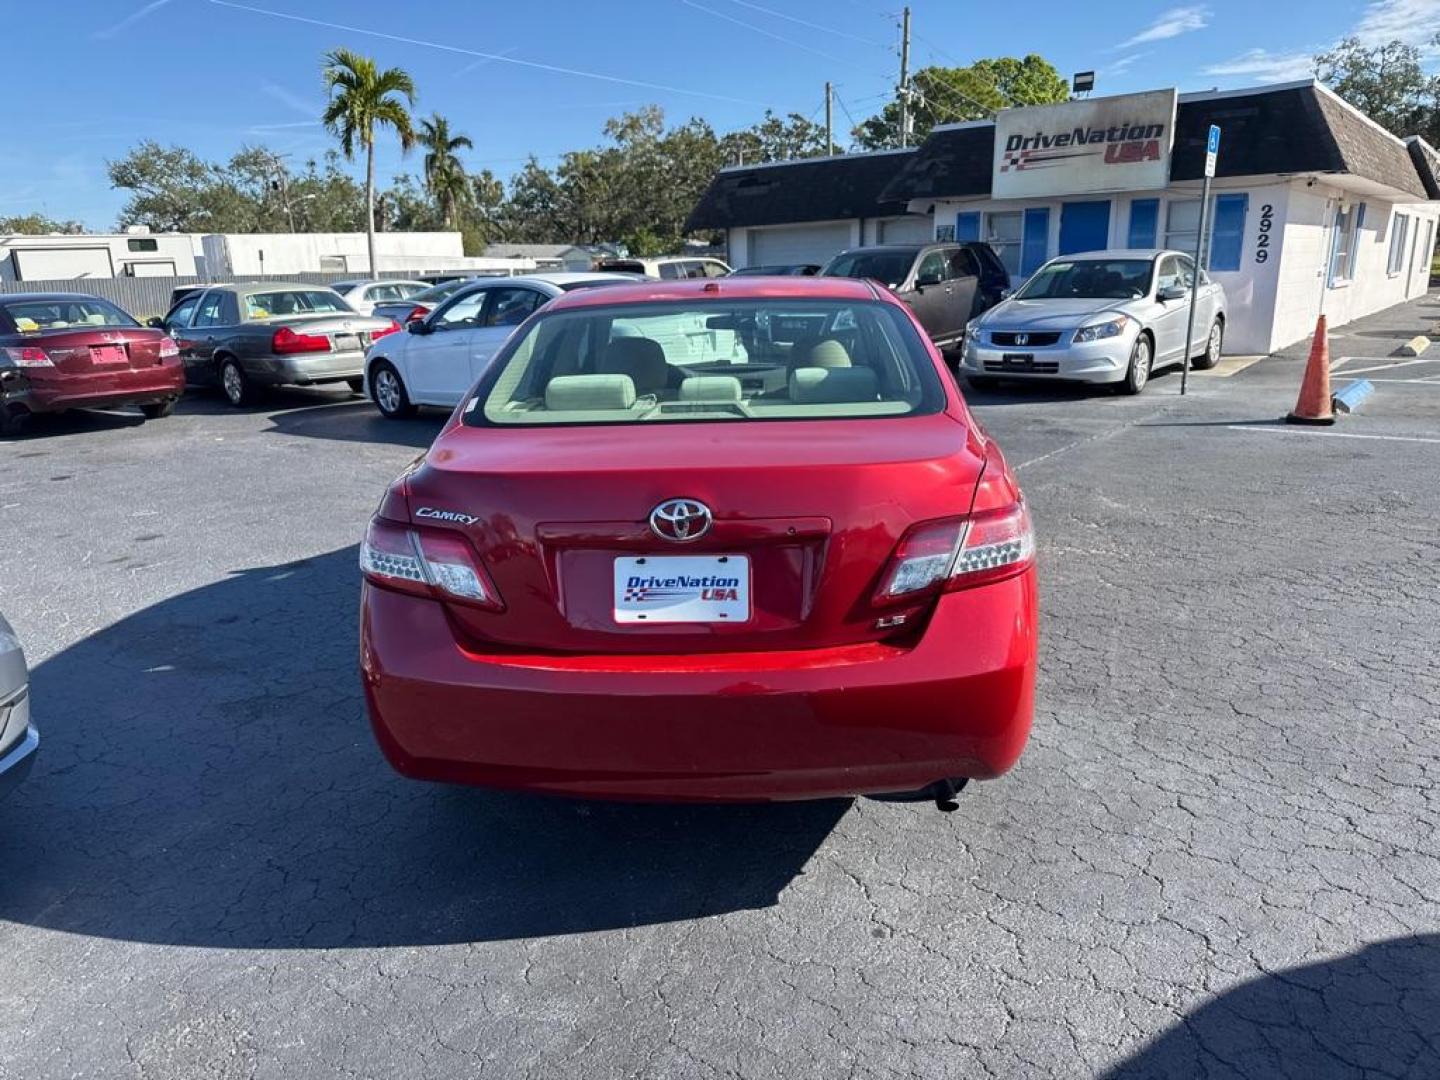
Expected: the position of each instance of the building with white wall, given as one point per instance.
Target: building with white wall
(54, 256)
(790, 212)
(239, 254)
(1313, 204)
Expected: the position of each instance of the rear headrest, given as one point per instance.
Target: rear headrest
(710, 388)
(572, 393)
(817, 385)
(826, 353)
(638, 357)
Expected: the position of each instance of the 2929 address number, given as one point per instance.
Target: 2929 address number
(1262, 242)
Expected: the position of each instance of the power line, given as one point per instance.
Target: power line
(761, 30)
(497, 57)
(811, 25)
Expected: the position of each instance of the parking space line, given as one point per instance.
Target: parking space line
(1278, 430)
(1384, 367)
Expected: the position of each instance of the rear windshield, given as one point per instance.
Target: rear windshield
(294, 302)
(887, 267)
(797, 359)
(1090, 279)
(38, 316)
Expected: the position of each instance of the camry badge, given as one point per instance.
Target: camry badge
(681, 520)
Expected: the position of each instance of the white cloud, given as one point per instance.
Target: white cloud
(1124, 64)
(287, 97)
(1173, 23)
(1415, 22)
(1267, 66)
(129, 20)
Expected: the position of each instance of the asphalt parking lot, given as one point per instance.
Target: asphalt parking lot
(1219, 857)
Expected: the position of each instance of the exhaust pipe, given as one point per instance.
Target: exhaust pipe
(944, 792)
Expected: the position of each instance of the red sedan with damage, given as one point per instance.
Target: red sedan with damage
(723, 540)
(68, 350)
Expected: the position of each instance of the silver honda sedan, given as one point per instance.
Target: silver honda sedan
(18, 740)
(1100, 317)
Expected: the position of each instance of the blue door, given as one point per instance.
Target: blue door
(1084, 226)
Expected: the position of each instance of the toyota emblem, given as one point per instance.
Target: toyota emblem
(1022, 339)
(681, 520)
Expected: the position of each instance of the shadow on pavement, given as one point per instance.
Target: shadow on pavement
(207, 778)
(359, 421)
(1375, 1013)
(42, 426)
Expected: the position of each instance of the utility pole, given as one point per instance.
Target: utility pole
(829, 125)
(905, 79)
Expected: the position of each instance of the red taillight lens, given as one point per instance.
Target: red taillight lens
(29, 356)
(288, 341)
(998, 544)
(168, 349)
(426, 562)
(419, 311)
(385, 331)
(960, 553)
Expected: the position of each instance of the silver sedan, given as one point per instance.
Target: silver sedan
(18, 739)
(1100, 317)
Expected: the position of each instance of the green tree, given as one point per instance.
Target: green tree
(445, 177)
(1387, 83)
(37, 225)
(942, 95)
(774, 139)
(173, 190)
(362, 100)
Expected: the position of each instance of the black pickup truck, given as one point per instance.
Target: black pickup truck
(946, 284)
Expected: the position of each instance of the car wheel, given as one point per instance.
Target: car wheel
(13, 421)
(388, 391)
(357, 384)
(982, 382)
(1138, 374)
(155, 410)
(1211, 356)
(239, 390)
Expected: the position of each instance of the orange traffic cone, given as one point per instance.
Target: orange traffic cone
(1313, 405)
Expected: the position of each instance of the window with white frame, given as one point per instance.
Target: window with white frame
(1342, 244)
(1005, 233)
(1399, 233)
(1182, 224)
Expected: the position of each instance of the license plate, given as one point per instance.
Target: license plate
(346, 342)
(1018, 359)
(682, 589)
(108, 354)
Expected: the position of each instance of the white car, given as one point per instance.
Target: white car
(669, 267)
(443, 354)
(1100, 317)
(364, 295)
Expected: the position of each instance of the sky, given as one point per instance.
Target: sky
(96, 76)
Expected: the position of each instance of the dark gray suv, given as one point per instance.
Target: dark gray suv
(947, 285)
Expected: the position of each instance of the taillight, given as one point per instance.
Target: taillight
(426, 562)
(419, 311)
(29, 356)
(393, 328)
(288, 341)
(168, 349)
(959, 553)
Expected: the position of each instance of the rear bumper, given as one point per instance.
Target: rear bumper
(46, 390)
(759, 726)
(303, 369)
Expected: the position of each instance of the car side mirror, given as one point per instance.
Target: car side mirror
(418, 326)
(1172, 292)
(155, 322)
(927, 279)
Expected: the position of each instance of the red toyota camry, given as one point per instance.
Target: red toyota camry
(69, 350)
(737, 539)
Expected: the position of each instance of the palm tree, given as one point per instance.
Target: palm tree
(445, 177)
(362, 99)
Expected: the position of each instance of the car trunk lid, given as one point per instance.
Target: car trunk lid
(806, 514)
(91, 350)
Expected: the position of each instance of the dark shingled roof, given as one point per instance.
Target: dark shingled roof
(819, 189)
(1301, 129)
(1427, 164)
